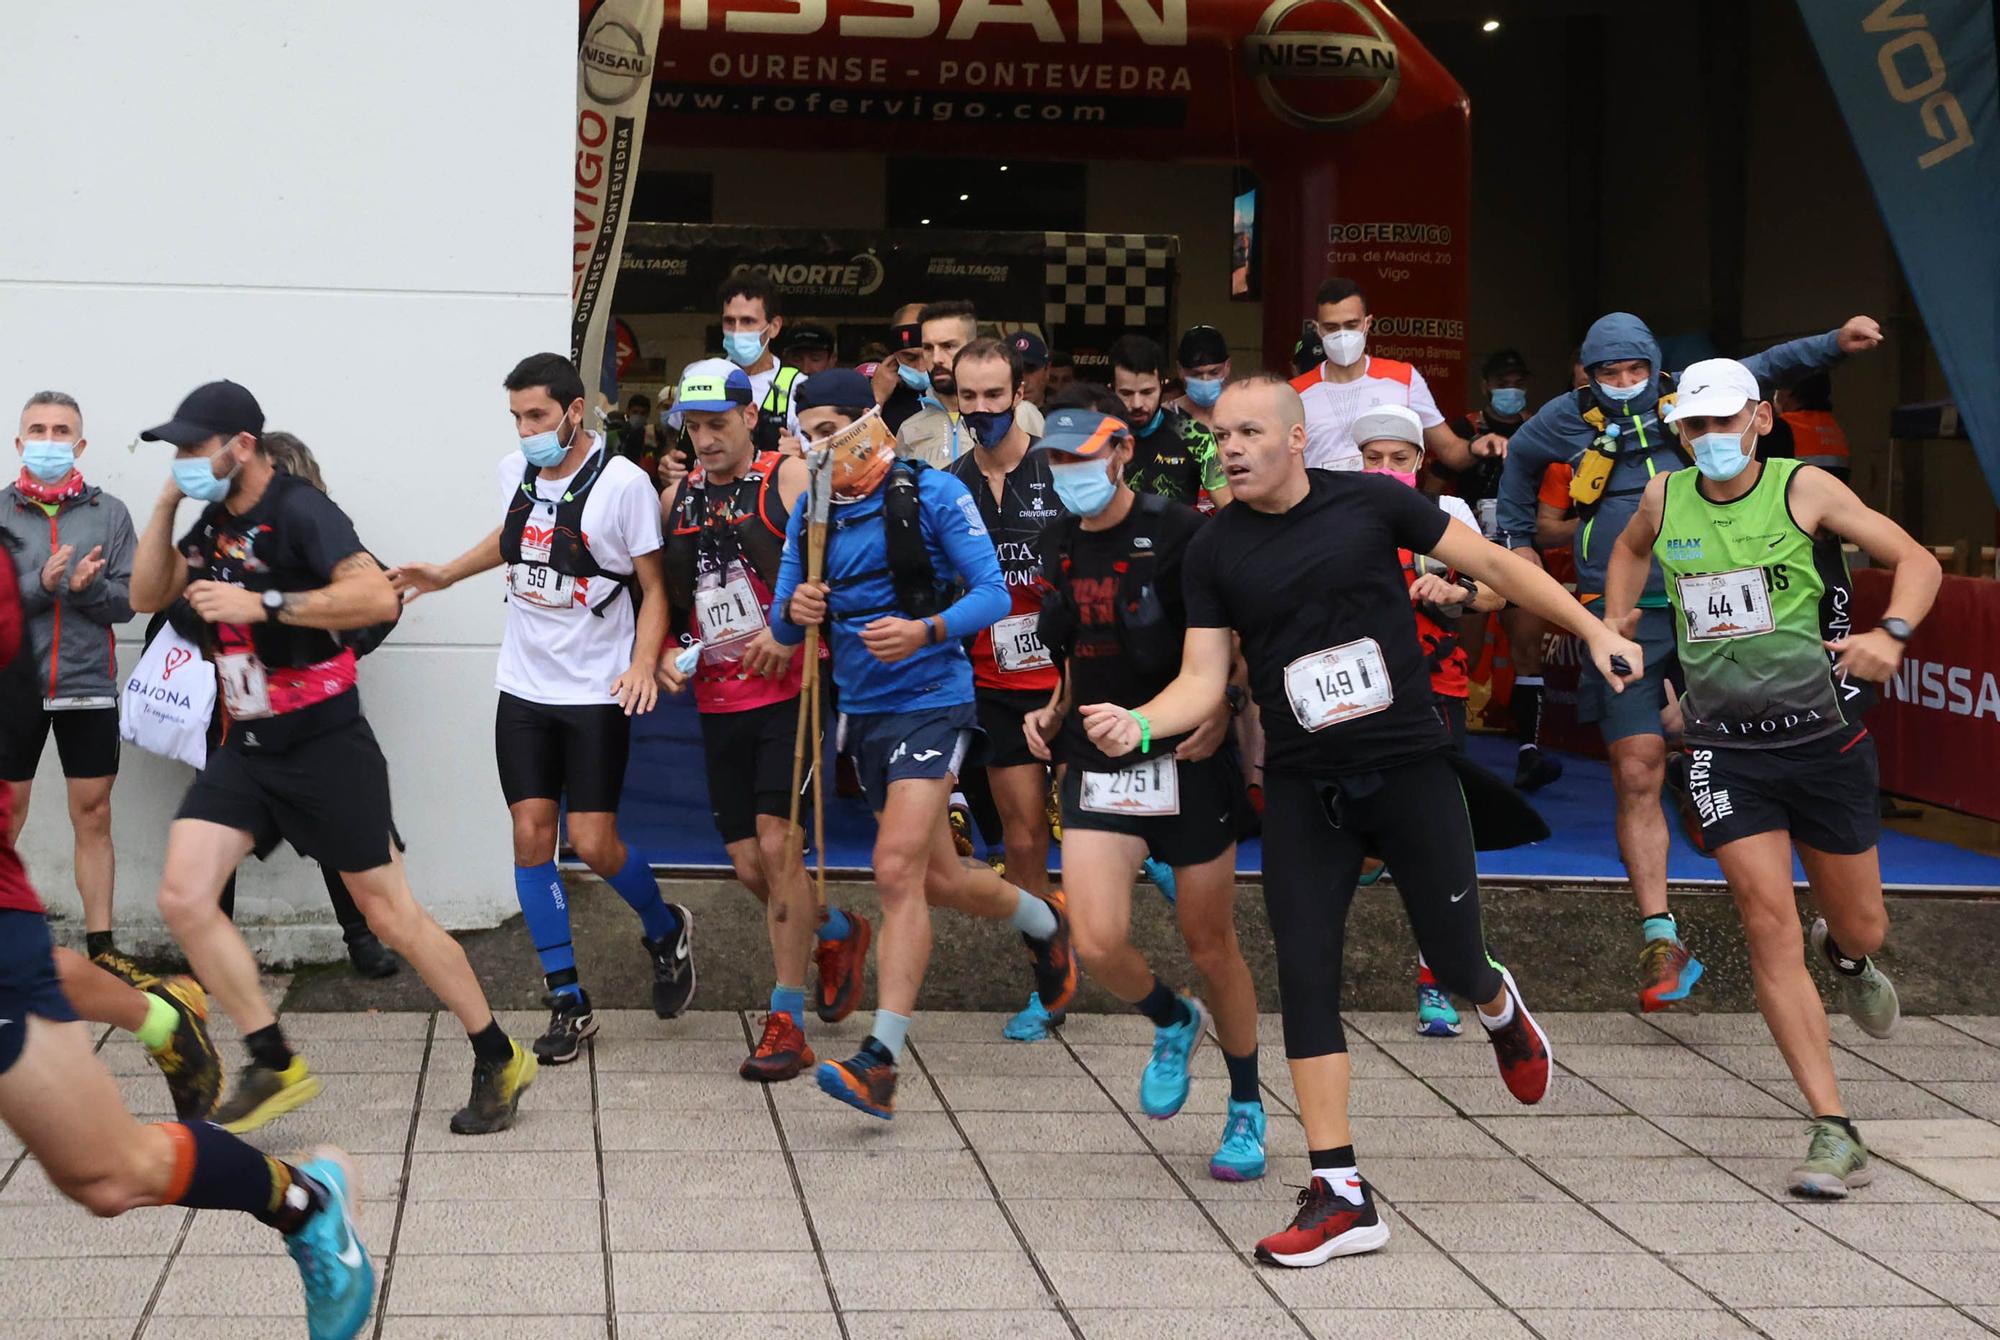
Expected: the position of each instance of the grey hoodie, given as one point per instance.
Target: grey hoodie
(1558, 432)
(75, 656)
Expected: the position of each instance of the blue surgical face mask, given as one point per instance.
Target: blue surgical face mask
(915, 378)
(1084, 487)
(1508, 400)
(546, 449)
(198, 480)
(1622, 393)
(744, 347)
(989, 428)
(1721, 456)
(1204, 391)
(46, 460)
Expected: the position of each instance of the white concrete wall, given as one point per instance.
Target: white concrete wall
(361, 212)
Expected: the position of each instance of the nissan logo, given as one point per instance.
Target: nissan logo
(1274, 57)
(615, 63)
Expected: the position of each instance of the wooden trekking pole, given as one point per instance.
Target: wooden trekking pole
(819, 496)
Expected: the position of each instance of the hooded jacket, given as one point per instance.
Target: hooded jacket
(1646, 447)
(69, 632)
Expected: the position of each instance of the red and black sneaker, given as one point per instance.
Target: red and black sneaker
(866, 1080)
(1327, 1225)
(1521, 1049)
(781, 1053)
(843, 969)
(1055, 965)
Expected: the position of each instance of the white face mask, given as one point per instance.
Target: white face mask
(1343, 347)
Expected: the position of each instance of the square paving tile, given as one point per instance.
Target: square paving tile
(1051, 1133)
(935, 1225)
(1146, 1226)
(1864, 1323)
(1578, 1280)
(105, 1288)
(851, 1178)
(679, 1224)
(998, 1325)
(1507, 1228)
(1723, 1096)
(1956, 1277)
(1152, 1280)
(460, 1286)
(1032, 1093)
(1688, 1226)
(718, 1282)
(1623, 1323)
(716, 1174)
(1086, 1176)
(920, 1281)
(473, 1227)
(1420, 1324)
(1380, 1281)
(677, 1132)
(1837, 1278)
(1876, 1228)
(1536, 1136)
(461, 1175)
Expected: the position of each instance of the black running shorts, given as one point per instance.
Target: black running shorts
(1213, 809)
(86, 741)
(328, 795)
(28, 982)
(573, 754)
(750, 766)
(1825, 792)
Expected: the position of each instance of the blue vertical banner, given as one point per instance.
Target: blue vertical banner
(1919, 84)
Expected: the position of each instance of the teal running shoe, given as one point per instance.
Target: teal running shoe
(1240, 1156)
(1033, 1023)
(1836, 1163)
(1162, 876)
(1435, 1016)
(1163, 1088)
(339, 1277)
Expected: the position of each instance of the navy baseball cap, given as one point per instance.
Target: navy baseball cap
(835, 388)
(1034, 353)
(1080, 432)
(217, 409)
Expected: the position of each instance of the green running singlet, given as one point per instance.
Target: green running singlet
(1754, 597)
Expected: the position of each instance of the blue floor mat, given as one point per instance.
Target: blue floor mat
(665, 817)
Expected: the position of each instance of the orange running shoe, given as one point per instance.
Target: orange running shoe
(843, 970)
(781, 1053)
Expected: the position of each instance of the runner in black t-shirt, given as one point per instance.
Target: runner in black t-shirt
(1304, 568)
(1115, 621)
(274, 572)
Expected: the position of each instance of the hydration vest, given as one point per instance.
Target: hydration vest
(1602, 471)
(910, 571)
(568, 554)
(775, 408)
(1145, 630)
(711, 524)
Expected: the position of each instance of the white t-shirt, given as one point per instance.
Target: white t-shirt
(1332, 408)
(565, 655)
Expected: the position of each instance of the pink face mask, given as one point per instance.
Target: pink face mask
(1408, 477)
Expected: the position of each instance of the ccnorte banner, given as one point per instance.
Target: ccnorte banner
(1359, 137)
(676, 267)
(1937, 723)
(1917, 82)
(614, 69)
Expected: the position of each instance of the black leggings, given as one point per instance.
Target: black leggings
(1413, 817)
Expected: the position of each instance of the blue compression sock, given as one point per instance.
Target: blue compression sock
(836, 926)
(890, 1030)
(1659, 928)
(1032, 917)
(636, 885)
(545, 907)
(790, 1000)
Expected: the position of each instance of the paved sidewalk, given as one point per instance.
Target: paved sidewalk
(651, 1193)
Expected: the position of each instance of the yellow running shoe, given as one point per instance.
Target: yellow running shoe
(263, 1095)
(188, 1061)
(496, 1094)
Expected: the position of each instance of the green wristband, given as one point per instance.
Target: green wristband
(1145, 731)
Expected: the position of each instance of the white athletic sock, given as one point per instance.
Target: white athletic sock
(1506, 1017)
(1346, 1182)
(1032, 917)
(890, 1029)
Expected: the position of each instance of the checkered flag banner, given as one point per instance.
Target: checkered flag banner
(1111, 280)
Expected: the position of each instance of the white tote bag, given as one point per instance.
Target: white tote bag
(169, 699)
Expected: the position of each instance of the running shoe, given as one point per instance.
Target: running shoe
(1240, 1156)
(1055, 965)
(370, 957)
(1435, 1016)
(1667, 972)
(842, 969)
(1327, 1225)
(1032, 1024)
(1162, 876)
(1836, 1163)
(673, 966)
(496, 1094)
(338, 1275)
(1869, 997)
(1372, 871)
(1522, 1050)
(263, 1095)
(571, 1020)
(120, 964)
(960, 817)
(781, 1052)
(188, 1060)
(1164, 1084)
(866, 1080)
(1534, 770)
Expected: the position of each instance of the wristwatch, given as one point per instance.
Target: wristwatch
(1896, 628)
(273, 602)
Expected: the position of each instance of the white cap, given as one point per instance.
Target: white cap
(1715, 388)
(1398, 422)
